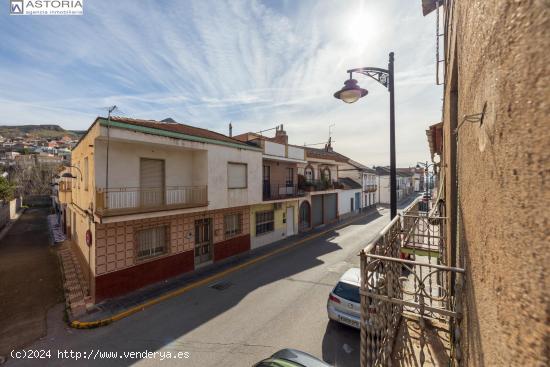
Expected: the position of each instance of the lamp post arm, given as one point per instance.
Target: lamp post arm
(382, 76)
(79, 171)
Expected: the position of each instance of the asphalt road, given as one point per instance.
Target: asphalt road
(274, 304)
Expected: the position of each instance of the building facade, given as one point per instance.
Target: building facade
(493, 174)
(153, 200)
(277, 216)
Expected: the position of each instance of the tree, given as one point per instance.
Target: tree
(6, 189)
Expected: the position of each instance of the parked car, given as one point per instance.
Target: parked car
(291, 358)
(344, 301)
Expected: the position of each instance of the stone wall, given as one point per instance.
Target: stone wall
(497, 62)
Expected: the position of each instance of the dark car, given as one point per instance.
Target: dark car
(291, 358)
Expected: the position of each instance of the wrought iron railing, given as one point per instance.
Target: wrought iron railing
(274, 191)
(127, 200)
(404, 273)
(319, 185)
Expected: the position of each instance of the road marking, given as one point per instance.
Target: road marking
(93, 324)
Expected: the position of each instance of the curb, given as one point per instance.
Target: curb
(104, 322)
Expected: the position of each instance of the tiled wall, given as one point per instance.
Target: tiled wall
(115, 242)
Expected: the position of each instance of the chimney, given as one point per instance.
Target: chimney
(280, 135)
(230, 130)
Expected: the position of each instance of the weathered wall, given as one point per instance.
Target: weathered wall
(501, 61)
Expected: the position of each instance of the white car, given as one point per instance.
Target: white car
(344, 301)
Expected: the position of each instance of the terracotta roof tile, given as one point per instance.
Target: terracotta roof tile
(178, 128)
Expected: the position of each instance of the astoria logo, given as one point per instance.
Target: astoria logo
(46, 7)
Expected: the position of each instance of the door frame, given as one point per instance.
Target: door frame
(210, 245)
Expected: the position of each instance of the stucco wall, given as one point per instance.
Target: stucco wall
(280, 228)
(186, 163)
(502, 165)
(344, 197)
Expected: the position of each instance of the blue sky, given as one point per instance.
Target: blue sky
(205, 63)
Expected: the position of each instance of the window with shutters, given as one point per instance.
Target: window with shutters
(236, 175)
(264, 222)
(151, 242)
(232, 224)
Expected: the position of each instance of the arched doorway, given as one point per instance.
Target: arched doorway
(305, 216)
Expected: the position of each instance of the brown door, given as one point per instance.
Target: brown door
(151, 182)
(203, 241)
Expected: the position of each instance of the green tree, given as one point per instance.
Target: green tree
(6, 189)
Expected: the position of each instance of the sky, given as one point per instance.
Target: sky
(256, 64)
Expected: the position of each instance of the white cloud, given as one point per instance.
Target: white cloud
(209, 62)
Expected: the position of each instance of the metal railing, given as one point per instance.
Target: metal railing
(403, 273)
(273, 191)
(371, 188)
(319, 185)
(127, 200)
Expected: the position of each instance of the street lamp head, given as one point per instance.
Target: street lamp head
(67, 175)
(351, 92)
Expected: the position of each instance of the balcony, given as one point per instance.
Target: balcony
(371, 188)
(134, 200)
(280, 191)
(410, 298)
(318, 185)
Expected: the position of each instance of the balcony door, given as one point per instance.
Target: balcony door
(267, 181)
(151, 182)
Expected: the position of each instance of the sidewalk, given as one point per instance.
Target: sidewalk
(108, 309)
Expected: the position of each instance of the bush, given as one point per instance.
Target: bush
(6, 189)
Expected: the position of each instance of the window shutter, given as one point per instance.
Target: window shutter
(236, 175)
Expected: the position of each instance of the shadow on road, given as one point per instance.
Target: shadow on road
(161, 325)
(341, 345)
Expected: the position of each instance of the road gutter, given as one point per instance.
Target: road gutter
(98, 323)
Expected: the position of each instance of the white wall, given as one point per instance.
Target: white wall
(186, 164)
(344, 197)
(275, 149)
(383, 189)
(296, 153)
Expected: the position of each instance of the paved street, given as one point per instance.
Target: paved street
(274, 304)
(30, 267)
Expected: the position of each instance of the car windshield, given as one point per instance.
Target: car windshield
(347, 291)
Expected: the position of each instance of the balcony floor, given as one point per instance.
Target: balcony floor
(406, 351)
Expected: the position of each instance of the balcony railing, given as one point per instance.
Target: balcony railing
(319, 185)
(131, 200)
(371, 188)
(281, 191)
(404, 280)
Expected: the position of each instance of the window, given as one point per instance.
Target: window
(348, 292)
(232, 224)
(308, 173)
(325, 174)
(236, 175)
(86, 174)
(290, 177)
(264, 222)
(151, 242)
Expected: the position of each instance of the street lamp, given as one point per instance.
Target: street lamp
(351, 92)
(69, 175)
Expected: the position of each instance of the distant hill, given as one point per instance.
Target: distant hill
(38, 131)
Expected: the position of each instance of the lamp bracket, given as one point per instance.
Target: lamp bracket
(382, 76)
